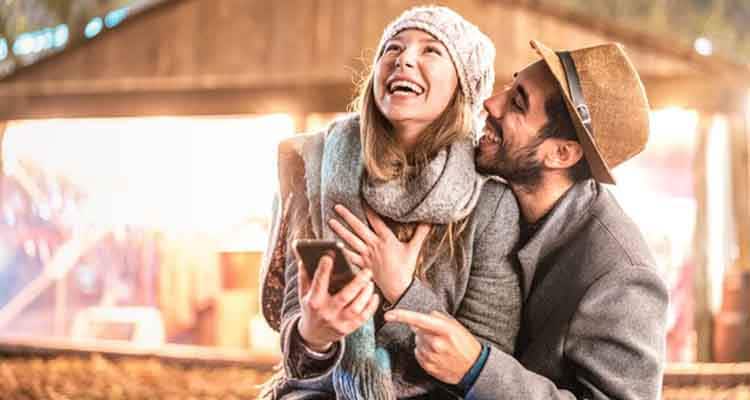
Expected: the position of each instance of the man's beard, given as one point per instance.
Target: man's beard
(521, 168)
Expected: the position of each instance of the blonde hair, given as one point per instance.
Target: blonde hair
(385, 160)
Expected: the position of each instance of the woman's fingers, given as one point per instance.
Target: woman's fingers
(420, 235)
(322, 277)
(350, 291)
(371, 307)
(359, 227)
(303, 280)
(353, 258)
(381, 229)
(360, 302)
(351, 239)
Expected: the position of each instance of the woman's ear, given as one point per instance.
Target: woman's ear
(562, 154)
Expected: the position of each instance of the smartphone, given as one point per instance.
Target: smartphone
(311, 250)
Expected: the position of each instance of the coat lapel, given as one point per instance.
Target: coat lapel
(565, 220)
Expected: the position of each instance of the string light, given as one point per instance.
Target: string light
(93, 28)
(703, 46)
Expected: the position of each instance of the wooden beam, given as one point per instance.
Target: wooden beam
(687, 92)
(325, 98)
(719, 67)
(703, 318)
(739, 184)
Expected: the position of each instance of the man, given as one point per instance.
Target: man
(594, 307)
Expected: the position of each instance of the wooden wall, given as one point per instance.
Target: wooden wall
(256, 56)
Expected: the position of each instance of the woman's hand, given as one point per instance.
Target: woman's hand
(392, 262)
(328, 318)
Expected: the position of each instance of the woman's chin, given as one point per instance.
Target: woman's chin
(401, 115)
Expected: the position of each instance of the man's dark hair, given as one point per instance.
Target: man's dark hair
(560, 126)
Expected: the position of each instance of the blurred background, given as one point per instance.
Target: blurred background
(137, 170)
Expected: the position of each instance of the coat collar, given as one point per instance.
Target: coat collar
(564, 220)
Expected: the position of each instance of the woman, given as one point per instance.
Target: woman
(440, 233)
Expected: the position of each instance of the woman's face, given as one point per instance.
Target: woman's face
(414, 80)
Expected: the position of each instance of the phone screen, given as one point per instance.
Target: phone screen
(311, 250)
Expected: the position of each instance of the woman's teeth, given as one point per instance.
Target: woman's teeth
(405, 86)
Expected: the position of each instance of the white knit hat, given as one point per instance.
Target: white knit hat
(471, 51)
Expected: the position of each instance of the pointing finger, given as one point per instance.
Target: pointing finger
(417, 320)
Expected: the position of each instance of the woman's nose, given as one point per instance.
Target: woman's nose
(406, 59)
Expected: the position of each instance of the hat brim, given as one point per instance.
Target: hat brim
(599, 168)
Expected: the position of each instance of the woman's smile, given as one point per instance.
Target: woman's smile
(415, 80)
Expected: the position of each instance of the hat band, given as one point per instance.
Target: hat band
(576, 94)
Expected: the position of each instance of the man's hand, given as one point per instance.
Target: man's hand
(444, 348)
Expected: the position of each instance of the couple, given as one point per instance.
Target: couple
(469, 288)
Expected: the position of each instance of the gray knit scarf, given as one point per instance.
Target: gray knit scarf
(446, 190)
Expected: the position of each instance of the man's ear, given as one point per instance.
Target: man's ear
(562, 154)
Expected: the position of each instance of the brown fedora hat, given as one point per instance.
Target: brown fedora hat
(606, 100)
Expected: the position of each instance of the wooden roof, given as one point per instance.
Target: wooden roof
(210, 57)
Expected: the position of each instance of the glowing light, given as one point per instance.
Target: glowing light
(114, 18)
(718, 211)
(146, 325)
(39, 41)
(93, 28)
(204, 170)
(3, 48)
(672, 128)
(29, 247)
(24, 44)
(703, 46)
(263, 339)
(43, 40)
(61, 35)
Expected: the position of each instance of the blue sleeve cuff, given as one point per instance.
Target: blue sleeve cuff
(463, 387)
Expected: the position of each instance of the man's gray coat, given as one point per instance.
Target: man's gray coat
(594, 310)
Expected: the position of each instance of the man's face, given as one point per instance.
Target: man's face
(509, 147)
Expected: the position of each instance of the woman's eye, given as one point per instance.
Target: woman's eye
(433, 49)
(391, 47)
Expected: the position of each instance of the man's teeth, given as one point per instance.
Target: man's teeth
(405, 85)
(491, 137)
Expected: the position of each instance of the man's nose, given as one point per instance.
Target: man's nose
(494, 105)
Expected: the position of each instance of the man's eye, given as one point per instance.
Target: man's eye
(516, 104)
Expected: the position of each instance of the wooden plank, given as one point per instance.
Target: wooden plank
(292, 50)
(234, 37)
(717, 67)
(339, 41)
(185, 355)
(241, 44)
(169, 42)
(688, 93)
(326, 98)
